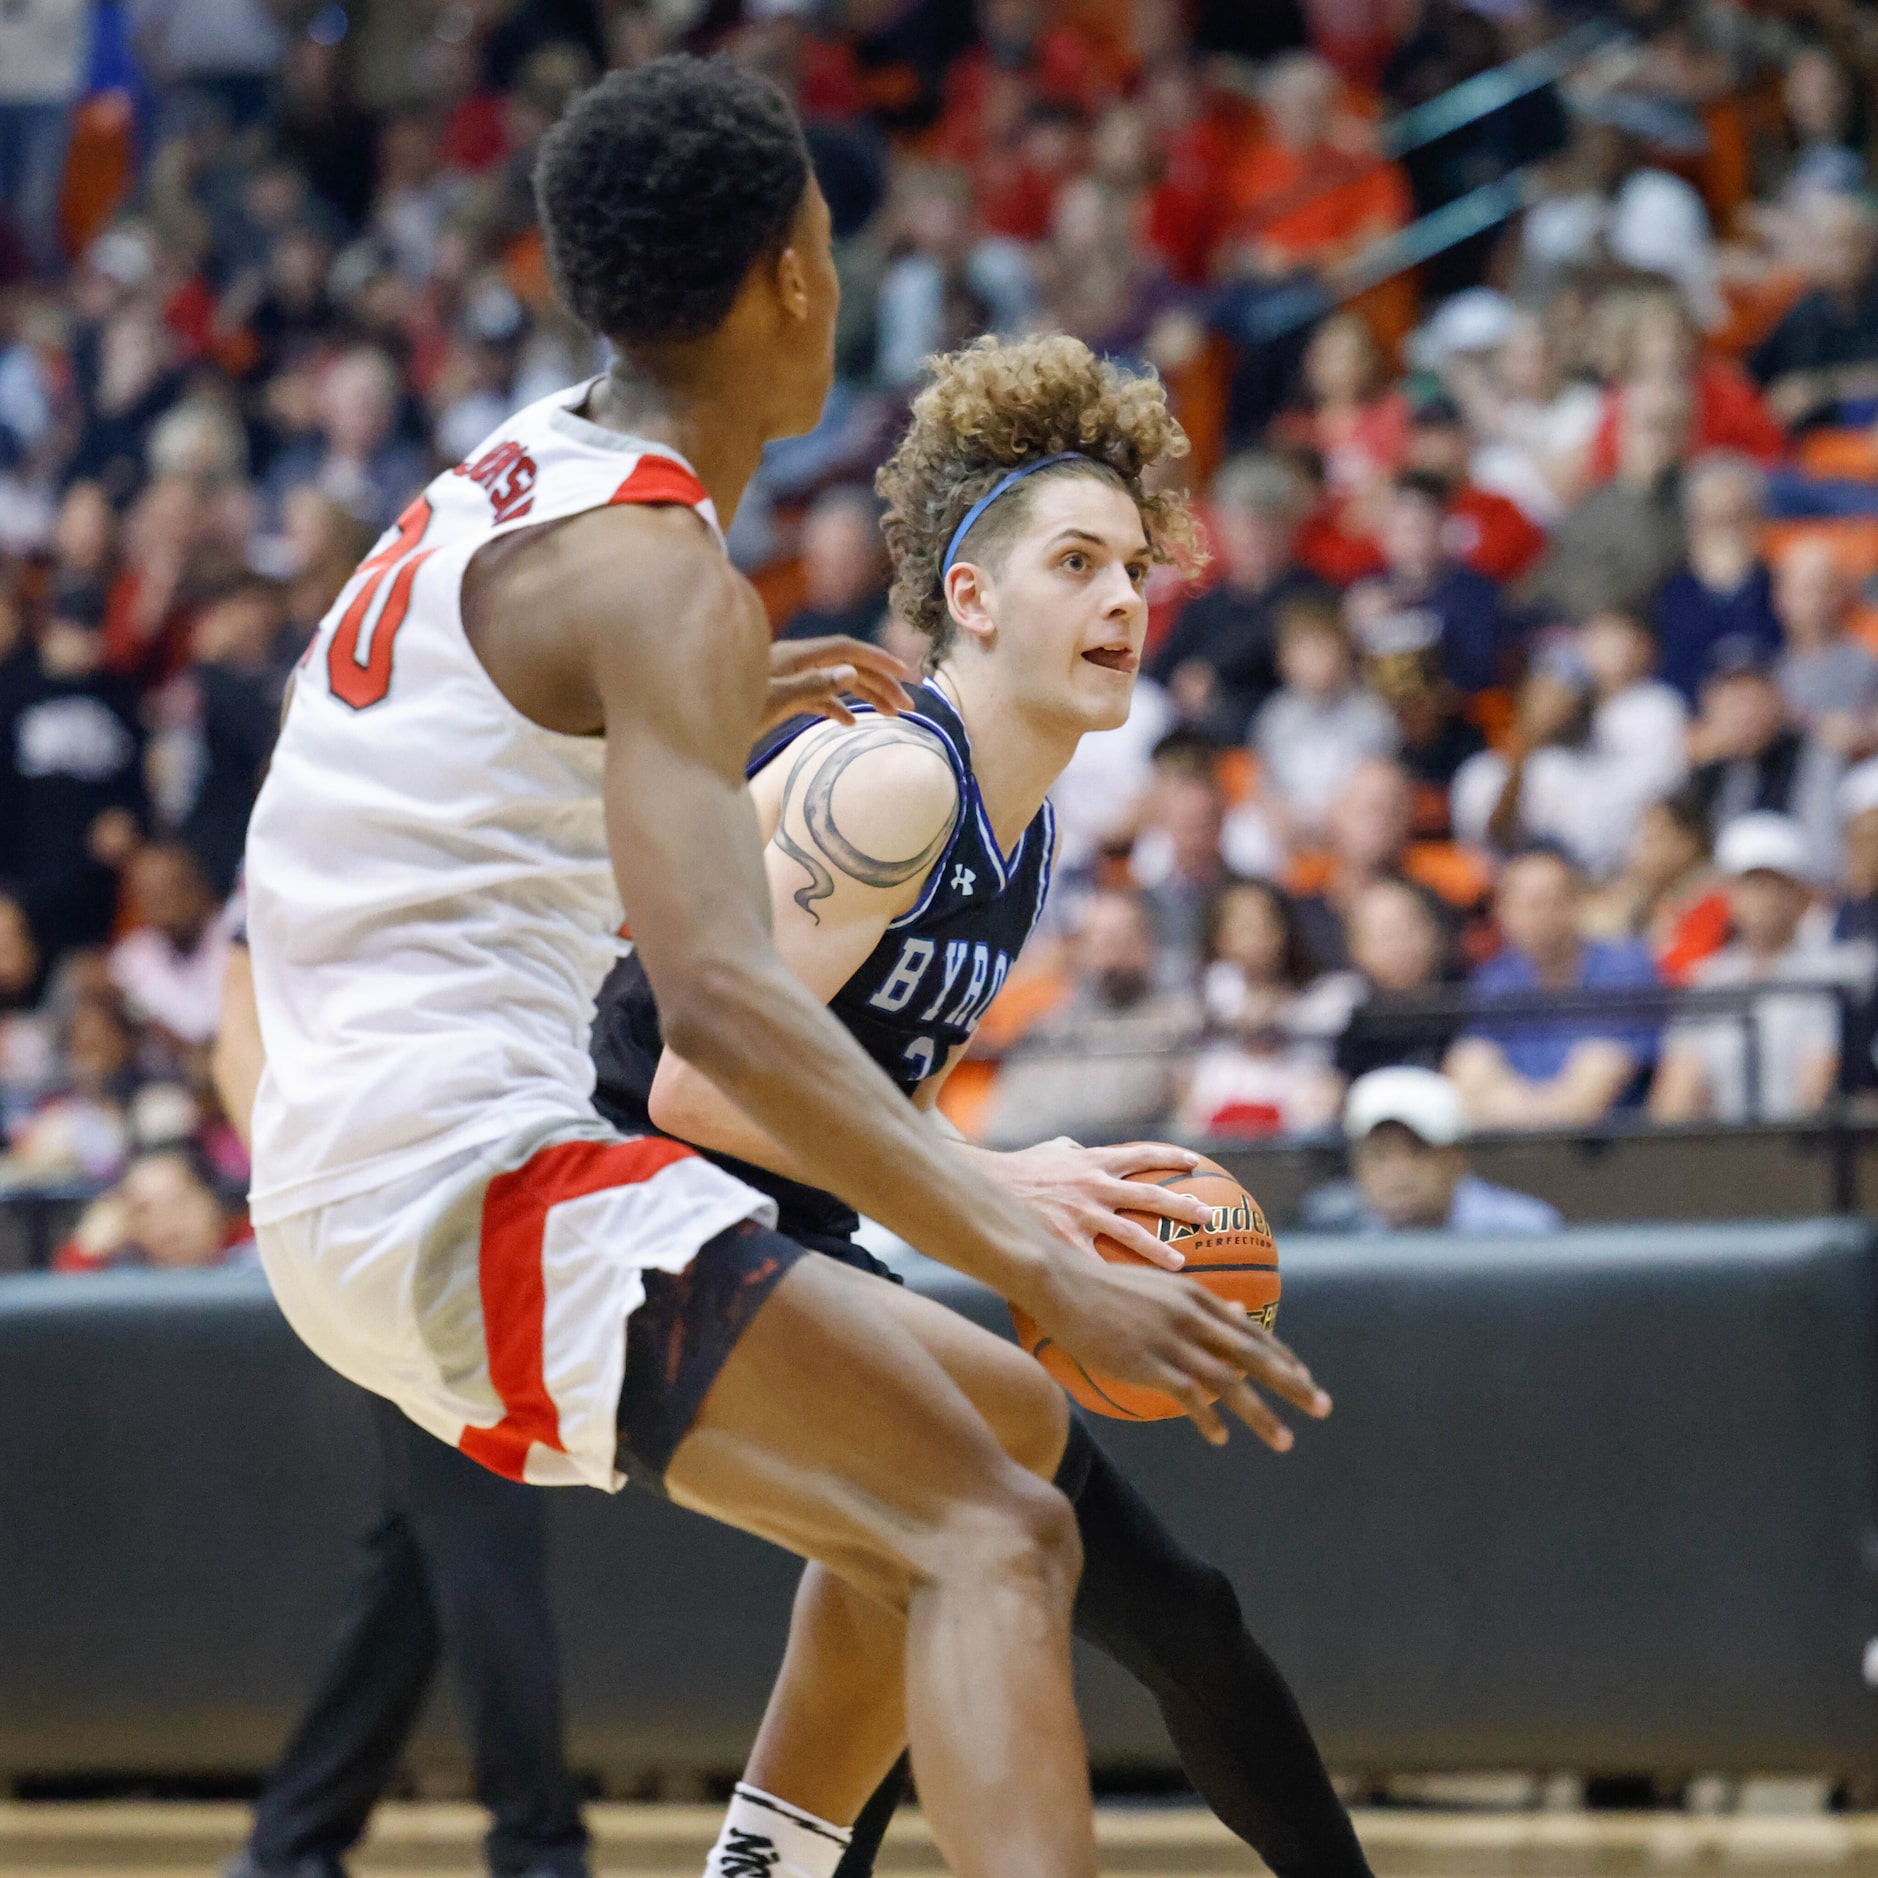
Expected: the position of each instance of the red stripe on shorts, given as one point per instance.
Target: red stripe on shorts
(514, 1291)
(659, 479)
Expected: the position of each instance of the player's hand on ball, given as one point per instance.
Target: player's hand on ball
(812, 674)
(1161, 1332)
(1082, 1192)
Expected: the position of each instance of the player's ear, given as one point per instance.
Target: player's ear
(792, 287)
(793, 273)
(968, 593)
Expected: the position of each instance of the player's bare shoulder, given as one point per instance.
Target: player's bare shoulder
(609, 601)
(866, 808)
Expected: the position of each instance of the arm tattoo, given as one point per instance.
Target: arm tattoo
(814, 777)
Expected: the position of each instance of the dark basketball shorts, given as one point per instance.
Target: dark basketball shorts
(681, 1336)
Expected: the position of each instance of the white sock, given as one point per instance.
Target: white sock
(764, 1837)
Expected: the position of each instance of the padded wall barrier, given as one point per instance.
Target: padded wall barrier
(1604, 1502)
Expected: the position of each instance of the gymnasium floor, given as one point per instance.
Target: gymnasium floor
(440, 1841)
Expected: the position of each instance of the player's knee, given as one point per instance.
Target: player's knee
(1049, 1525)
(1033, 1422)
(1022, 1534)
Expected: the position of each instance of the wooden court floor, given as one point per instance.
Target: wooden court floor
(440, 1841)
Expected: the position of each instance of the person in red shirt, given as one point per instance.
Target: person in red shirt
(1201, 135)
(1304, 199)
(167, 1213)
(1014, 108)
(1352, 436)
(1356, 424)
(1018, 177)
(1331, 543)
(1668, 894)
(1727, 412)
(1361, 442)
(1484, 530)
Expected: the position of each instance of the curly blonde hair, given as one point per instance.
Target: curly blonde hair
(994, 406)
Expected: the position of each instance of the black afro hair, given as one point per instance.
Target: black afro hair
(658, 190)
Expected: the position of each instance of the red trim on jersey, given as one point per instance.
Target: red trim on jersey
(659, 479)
(514, 1291)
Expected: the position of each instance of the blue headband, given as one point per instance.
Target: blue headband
(994, 492)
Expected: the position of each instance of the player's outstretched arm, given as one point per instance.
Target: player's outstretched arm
(865, 812)
(677, 662)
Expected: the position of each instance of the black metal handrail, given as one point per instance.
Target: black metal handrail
(1644, 1006)
(1648, 1003)
(1838, 1127)
(1640, 1004)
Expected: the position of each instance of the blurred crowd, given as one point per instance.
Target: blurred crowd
(1536, 658)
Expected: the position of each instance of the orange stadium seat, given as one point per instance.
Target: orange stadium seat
(100, 166)
(1238, 771)
(1851, 454)
(1754, 308)
(1492, 713)
(1198, 390)
(1309, 873)
(779, 585)
(1854, 542)
(1458, 873)
(965, 1101)
(1448, 869)
(1855, 546)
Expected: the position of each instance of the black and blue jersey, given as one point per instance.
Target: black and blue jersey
(918, 995)
(922, 990)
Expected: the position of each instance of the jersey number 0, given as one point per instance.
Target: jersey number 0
(361, 681)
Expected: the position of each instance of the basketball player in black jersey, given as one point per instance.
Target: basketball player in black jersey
(908, 857)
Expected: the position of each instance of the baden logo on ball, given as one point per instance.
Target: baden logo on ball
(1233, 1255)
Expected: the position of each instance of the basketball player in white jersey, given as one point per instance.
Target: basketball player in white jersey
(523, 722)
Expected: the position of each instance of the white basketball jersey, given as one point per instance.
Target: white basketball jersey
(431, 905)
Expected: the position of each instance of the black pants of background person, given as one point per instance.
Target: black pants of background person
(458, 1563)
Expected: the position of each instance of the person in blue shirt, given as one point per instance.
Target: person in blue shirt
(1405, 1127)
(1723, 591)
(1424, 578)
(1551, 1072)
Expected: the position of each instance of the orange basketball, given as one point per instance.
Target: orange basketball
(1233, 1256)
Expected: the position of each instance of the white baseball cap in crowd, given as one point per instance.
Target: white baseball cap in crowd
(1858, 789)
(1762, 842)
(1426, 1103)
(1477, 319)
(123, 255)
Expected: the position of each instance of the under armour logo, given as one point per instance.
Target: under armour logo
(962, 878)
(746, 1855)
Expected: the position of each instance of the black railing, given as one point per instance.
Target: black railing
(1657, 1007)
(34, 1219)
(1507, 1015)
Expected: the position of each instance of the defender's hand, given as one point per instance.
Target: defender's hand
(811, 675)
(1166, 1333)
(1080, 1192)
